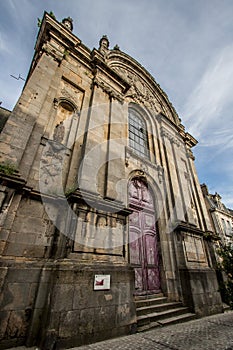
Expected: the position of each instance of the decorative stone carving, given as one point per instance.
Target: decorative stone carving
(51, 167)
(107, 89)
(59, 132)
(190, 154)
(68, 23)
(104, 45)
(172, 138)
(53, 51)
(155, 99)
(116, 47)
(71, 93)
(101, 221)
(139, 90)
(67, 95)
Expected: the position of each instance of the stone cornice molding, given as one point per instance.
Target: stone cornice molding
(190, 140)
(104, 204)
(222, 212)
(49, 27)
(101, 68)
(107, 89)
(12, 181)
(58, 41)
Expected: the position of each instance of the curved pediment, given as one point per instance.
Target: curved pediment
(143, 87)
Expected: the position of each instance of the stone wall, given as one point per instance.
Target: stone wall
(57, 302)
(200, 289)
(19, 287)
(78, 314)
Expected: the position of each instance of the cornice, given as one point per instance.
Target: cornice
(105, 204)
(13, 181)
(50, 25)
(99, 65)
(108, 89)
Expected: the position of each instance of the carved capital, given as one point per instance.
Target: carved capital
(107, 89)
(53, 51)
(175, 141)
(190, 154)
(169, 136)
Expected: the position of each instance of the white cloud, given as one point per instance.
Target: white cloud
(205, 106)
(4, 46)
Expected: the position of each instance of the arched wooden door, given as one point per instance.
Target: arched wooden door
(143, 238)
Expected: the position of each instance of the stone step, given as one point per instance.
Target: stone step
(159, 316)
(155, 311)
(144, 310)
(148, 296)
(168, 321)
(150, 301)
(178, 319)
(226, 307)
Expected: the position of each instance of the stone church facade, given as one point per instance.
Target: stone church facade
(103, 202)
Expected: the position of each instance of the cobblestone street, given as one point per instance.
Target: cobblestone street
(208, 333)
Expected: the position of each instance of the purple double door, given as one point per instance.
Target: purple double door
(143, 238)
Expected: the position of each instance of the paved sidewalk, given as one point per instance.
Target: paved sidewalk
(208, 333)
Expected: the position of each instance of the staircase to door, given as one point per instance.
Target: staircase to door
(155, 310)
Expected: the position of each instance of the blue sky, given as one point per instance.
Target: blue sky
(186, 45)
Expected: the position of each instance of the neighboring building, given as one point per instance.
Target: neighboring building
(221, 217)
(106, 203)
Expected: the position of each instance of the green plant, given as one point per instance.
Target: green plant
(70, 190)
(8, 168)
(39, 21)
(225, 253)
(66, 53)
(52, 14)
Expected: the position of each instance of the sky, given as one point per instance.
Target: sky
(186, 45)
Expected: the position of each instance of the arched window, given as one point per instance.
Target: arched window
(138, 137)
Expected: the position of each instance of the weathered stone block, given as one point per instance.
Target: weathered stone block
(4, 317)
(16, 297)
(62, 297)
(23, 274)
(31, 208)
(70, 324)
(17, 325)
(87, 321)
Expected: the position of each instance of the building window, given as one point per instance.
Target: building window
(138, 137)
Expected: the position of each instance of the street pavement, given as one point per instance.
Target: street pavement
(208, 333)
